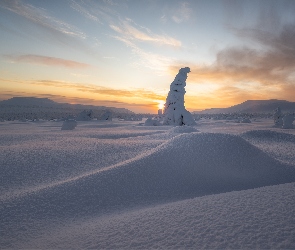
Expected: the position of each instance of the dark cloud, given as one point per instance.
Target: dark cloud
(272, 62)
(263, 69)
(270, 56)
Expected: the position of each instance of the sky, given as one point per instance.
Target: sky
(126, 53)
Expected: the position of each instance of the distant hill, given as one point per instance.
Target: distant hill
(28, 101)
(43, 108)
(46, 102)
(254, 106)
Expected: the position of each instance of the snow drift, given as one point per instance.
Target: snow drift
(187, 166)
(120, 185)
(247, 219)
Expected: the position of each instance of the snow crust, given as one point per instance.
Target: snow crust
(118, 185)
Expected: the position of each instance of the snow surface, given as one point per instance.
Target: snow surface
(119, 185)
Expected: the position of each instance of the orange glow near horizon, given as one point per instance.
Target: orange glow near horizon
(136, 100)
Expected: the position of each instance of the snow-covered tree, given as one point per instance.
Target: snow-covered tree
(174, 110)
(288, 121)
(152, 122)
(69, 125)
(107, 116)
(277, 117)
(85, 115)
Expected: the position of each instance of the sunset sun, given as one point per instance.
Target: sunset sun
(161, 104)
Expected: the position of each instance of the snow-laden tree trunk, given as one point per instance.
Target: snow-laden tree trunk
(174, 110)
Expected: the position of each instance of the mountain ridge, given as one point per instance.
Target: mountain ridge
(47, 103)
(253, 106)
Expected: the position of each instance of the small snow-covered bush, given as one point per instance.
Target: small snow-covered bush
(246, 120)
(152, 122)
(69, 125)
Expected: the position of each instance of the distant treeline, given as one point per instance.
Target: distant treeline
(12, 113)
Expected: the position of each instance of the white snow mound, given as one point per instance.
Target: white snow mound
(69, 125)
(187, 166)
(152, 122)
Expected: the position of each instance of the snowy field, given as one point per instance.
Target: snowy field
(121, 185)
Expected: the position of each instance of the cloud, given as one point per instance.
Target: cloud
(273, 35)
(229, 95)
(131, 31)
(128, 32)
(130, 35)
(183, 13)
(150, 60)
(87, 12)
(271, 65)
(144, 107)
(137, 100)
(135, 93)
(46, 60)
(265, 70)
(39, 17)
(98, 11)
(37, 23)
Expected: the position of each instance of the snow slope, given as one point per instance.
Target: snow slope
(260, 218)
(120, 185)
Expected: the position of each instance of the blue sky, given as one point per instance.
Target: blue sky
(126, 53)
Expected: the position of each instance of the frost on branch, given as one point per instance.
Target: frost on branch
(174, 110)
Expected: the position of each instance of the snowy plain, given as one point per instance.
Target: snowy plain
(122, 185)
